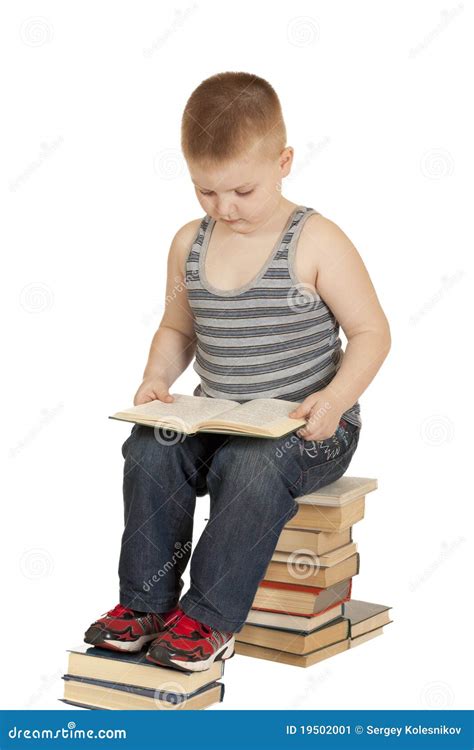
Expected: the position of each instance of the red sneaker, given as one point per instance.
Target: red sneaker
(124, 629)
(190, 645)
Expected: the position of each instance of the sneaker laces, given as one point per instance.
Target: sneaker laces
(186, 625)
(119, 610)
(172, 616)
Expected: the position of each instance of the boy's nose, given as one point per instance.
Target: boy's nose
(225, 210)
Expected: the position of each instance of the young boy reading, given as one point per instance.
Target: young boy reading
(256, 292)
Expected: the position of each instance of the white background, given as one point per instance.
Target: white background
(94, 186)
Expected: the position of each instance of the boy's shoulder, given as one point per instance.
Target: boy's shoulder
(323, 234)
(183, 240)
(187, 233)
(317, 223)
(322, 247)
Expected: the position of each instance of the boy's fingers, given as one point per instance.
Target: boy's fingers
(144, 398)
(164, 396)
(298, 412)
(304, 408)
(141, 400)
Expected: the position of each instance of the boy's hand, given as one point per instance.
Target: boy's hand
(322, 413)
(152, 389)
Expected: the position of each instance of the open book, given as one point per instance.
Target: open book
(261, 417)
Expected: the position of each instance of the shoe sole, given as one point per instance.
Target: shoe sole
(95, 638)
(162, 658)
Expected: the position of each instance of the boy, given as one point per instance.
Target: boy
(256, 291)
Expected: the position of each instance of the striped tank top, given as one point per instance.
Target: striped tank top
(271, 338)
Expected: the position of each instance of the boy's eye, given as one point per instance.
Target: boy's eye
(237, 192)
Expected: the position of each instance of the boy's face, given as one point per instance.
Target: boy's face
(247, 190)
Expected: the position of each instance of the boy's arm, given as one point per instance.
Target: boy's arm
(173, 345)
(344, 284)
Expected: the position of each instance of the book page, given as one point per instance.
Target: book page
(189, 410)
(260, 412)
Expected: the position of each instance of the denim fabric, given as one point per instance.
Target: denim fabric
(252, 485)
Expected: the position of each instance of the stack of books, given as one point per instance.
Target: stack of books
(103, 679)
(302, 612)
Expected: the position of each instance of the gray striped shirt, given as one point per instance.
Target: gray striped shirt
(271, 338)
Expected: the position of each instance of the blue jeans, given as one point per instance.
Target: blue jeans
(252, 485)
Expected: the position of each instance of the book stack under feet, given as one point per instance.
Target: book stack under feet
(302, 612)
(100, 678)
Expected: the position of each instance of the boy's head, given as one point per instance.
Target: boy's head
(234, 141)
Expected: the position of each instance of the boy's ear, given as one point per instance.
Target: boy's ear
(286, 160)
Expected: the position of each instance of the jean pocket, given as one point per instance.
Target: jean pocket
(316, 452)
(132, 433)
(325, 461)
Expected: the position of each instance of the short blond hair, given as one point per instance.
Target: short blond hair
(229, 113)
